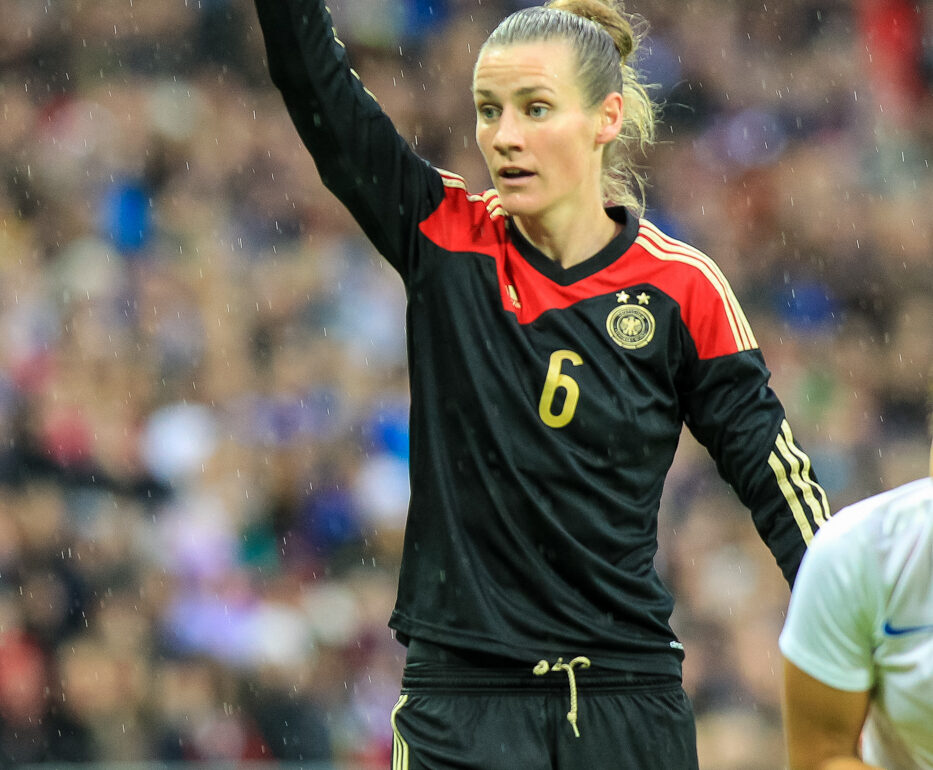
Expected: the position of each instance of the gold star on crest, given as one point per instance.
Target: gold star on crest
(622, 296)
(643, 299)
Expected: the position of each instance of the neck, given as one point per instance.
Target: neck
(572, 239)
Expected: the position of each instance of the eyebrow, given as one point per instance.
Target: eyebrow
(525, 91)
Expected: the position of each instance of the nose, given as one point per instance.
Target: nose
(508, 136)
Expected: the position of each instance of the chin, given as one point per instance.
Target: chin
(518, 205)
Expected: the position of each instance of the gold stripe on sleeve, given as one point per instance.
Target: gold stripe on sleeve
(804, 480)
(452, 180)
(780, 474)
(399, 746)
(793, 462)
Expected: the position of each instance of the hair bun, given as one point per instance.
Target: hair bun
(604, 14)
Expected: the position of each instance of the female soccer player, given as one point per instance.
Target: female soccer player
(557, 344)
(858, 641)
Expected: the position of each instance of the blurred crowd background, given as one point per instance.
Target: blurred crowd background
(203, 393)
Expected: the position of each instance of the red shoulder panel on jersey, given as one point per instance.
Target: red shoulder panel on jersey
(485, 219)
(708, 307)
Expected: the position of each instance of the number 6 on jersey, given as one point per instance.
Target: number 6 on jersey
(557, 380)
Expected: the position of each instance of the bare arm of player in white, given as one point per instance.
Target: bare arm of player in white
(822, 724)
(858, 639)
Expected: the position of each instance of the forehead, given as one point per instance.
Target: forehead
(545, 64)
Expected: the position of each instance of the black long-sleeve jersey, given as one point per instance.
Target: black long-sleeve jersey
(546, 403)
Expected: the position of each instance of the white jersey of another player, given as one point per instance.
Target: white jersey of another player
(861, 618)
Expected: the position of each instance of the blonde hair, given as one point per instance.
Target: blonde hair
(605, 40)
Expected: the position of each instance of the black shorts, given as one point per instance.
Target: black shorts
(468, 712)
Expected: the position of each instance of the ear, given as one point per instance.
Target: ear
(610, 114)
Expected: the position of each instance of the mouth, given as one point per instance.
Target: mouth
(513, 173)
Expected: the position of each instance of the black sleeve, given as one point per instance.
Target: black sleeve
(733, 412)
(360, 156)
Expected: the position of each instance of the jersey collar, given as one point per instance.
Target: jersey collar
(601, 259)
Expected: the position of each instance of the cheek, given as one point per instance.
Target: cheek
(569, 152)
(483, 142)
(560, 153)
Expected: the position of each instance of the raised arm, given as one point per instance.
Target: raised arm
(359, 154)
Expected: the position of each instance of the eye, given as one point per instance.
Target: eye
(487, 111)
(538, 110)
